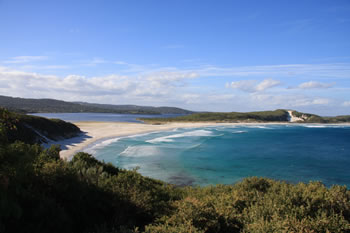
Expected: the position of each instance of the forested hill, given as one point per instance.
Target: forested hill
(33, 129)
(138, 109)
(279, 115)
(52, 105)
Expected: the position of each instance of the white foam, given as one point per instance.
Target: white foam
(139, 135)
(224, 128)
(315, 126)
(240, 131)
(92, 149)
(326, 126)
(140, 151)
(196, 133)
(257, 127)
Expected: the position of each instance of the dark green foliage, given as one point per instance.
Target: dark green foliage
(32, 129)
(260, 205)
(338, 119)
(23, 105)
(41, 193)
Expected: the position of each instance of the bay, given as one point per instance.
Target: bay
(227, 154)
(106, 117)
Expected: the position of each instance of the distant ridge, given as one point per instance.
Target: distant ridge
(25, 105)
(279, 115)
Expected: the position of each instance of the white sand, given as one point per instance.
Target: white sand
(94, 131)
(293, 118)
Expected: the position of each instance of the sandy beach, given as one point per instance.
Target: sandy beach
(95, 131)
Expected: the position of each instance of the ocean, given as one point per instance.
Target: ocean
(227, 154)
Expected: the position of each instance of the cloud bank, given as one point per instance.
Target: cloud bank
(315, 85)
(194, 89)
(253, 85)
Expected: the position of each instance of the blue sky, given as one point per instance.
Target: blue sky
(199, 55)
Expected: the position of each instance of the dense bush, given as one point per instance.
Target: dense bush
(33, 129)
(260, 205)
(41, 193)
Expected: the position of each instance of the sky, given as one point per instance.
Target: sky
(202, 55)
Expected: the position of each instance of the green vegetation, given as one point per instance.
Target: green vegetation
(265, 116)
(23, 105)
(310, 118)
(39, 192)
(33, 129)
(338, 119)
(279, 115)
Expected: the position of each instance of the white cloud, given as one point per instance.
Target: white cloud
(95, 61)
(336, 70)
(26, 84)
(25, 59)
(346, 104)
(191, 98)
(321, 101)
(244, 85)
(315, 85)
(45, 67)
(267, 83)
(253, 85)
(169, 87)
(287, 101)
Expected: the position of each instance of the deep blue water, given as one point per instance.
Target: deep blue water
(225, 155)
(110, 117)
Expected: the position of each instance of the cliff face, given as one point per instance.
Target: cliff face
(33, 129)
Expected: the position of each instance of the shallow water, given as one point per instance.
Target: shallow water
(226, 154)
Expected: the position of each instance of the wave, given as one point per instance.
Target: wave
(240, 131)
(326, 126)
(315, 126)
(196, 133)
(92, 149)
(257, 127)
(140, 151)
(225, 128)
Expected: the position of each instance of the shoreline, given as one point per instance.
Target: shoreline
(94, 131)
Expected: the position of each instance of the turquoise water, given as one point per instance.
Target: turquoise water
(225, 155)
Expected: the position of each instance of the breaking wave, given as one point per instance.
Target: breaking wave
(196, 133)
